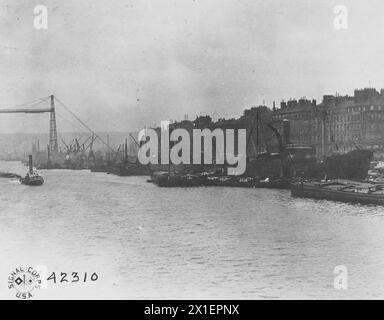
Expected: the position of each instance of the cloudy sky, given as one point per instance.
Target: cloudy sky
(121, 64)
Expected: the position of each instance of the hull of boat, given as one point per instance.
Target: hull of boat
(35, 181)
(127, 172)
(274, 184)
(174, 181)
(164, 179)
(124, 170)
(320, 193)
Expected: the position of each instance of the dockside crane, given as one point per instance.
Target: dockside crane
(53, 145)
(134, 140)
(34, 107)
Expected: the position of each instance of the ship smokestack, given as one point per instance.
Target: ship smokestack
(30, 164)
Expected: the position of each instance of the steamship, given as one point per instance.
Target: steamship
(32, 178)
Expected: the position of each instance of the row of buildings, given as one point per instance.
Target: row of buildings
(338, 124)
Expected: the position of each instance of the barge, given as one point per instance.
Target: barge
(344, 191)
(167, 179)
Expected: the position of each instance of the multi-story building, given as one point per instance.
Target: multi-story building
(260, 138)
(300, 115)
(339, 123)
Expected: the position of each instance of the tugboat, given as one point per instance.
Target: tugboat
(32, 178)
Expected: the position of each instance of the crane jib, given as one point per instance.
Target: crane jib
(26, 110)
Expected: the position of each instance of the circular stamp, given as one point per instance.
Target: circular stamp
(24, 281)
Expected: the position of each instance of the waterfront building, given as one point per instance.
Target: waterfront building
(338, 124)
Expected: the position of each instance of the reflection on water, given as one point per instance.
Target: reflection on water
(149, 242)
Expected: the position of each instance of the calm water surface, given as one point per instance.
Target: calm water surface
(149, 242)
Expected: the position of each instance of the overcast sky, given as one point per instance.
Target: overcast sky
(121, 64)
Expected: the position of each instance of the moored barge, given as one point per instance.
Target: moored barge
(172, 179)
(344, 191)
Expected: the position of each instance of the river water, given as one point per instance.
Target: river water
(146, 242)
